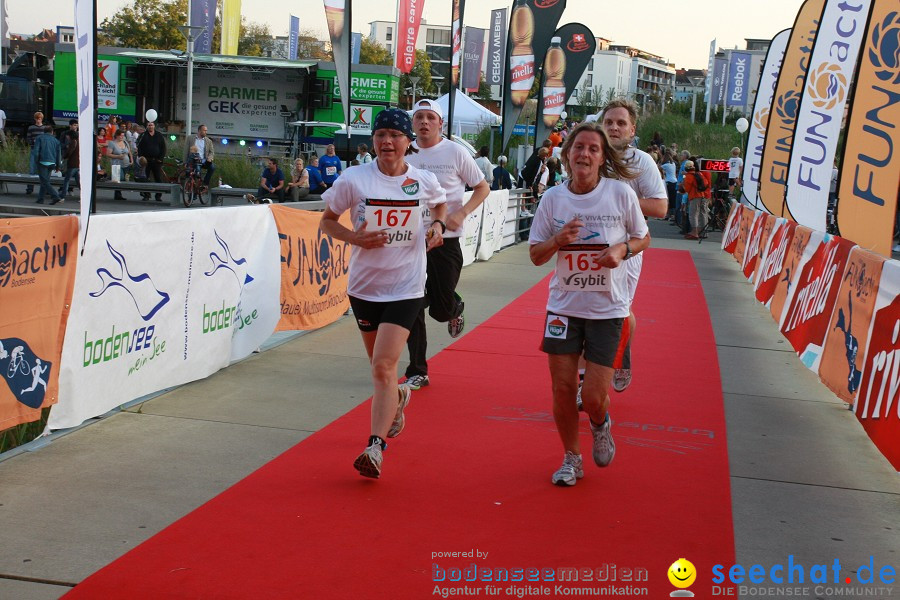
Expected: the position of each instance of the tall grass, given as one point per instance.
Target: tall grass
(24, 433)
(711, 140)
(14, 156)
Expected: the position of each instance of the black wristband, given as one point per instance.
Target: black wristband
(442, 224)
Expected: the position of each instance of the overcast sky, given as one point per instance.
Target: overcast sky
(679, 30)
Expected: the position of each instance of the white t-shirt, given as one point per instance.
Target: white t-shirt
(735, 164)
(611, 215)
(454, 169)
(201, 147)
(648, 184)
(390, 273)
(2, 119)
(487, 169)
(364, 159)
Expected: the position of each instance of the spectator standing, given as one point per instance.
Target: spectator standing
(119, 156)
(45, 154)
(152, 146)
(484, 163)
(316, 185)
(329, 166)
(671, 179)
(131, 137)
(681, 214)
(502, 179)
(555, 138)
(32, 134)
(698, 200)
(69, 149)
(362, 154)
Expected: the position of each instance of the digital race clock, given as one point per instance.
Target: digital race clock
(717, 166)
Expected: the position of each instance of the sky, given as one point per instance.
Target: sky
(678, 30)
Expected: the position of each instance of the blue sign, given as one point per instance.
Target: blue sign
(519, 129)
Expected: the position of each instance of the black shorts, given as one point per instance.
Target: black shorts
(369, 315)
(732, 180)
(597, 339)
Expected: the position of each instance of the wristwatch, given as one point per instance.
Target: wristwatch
(628, 252)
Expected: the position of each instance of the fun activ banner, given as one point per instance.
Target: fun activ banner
(877, 404)
(314, 269)
(818, 124)
(472, 56)
(810, 303)
(37, 272)
(496, 56)
(848, 332)
(571, 49)
(163, 299)
(770, 270)
(870, 169)
(231, 27)
(203, 14)
(531, 25)
(786, 102)
(409, 15)
(759, 122)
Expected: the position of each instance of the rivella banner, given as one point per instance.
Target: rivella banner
(870, 169)
(818, 125)
(786, 106)
(314, 269)
(531, 25)
(566, 60)
(768, 274)
(161, 300)
(877, 406)
(37, 272)
(759, 122)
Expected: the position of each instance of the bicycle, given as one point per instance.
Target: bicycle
(192, 187)
(17, 362)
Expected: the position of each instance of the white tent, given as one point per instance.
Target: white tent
(469, 117)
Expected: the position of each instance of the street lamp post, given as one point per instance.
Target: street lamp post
(190, 33)
(414, 81)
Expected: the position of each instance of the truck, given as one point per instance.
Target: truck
(27, 88)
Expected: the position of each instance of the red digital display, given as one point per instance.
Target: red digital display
(718, 166)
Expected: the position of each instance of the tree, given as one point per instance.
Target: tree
(310, 46)
(371, 52)
(484, 90)
(146, 24)
(422, 70)
(255, 40)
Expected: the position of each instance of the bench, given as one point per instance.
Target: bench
(218, 194)
(172, 189)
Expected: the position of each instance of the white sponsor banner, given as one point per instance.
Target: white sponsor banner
(831, 70)
(165, 298)
(240, 104)
(85, 74)
(492, 218)
(108, 84)
(756, 136)
(471, 232)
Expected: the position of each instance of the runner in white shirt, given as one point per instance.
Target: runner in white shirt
(618, 119)
(455, 169)
(389, 202)
(592, 225)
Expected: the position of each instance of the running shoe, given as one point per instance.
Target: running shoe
(369, 462)
(604, 446)
(621, 379)
(399, 420)
(456, 325)
(570, 471)
(414, 382)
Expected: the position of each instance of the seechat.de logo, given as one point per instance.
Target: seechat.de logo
(826, 86)
(884, 48)
(786, 105)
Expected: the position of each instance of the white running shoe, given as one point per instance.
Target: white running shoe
(604, 447)
(399, 420)
(570, 471)
(415, 382)
(621, 379)
(455, 326)
(369, 462)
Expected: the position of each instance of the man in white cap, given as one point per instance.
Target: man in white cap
(455, 169)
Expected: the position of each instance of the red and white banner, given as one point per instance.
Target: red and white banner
(732, 228)
(409, 16)
(755, 243)
(878, 403)
(769, 272)
(746, 221)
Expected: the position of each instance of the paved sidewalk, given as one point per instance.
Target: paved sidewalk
(806, 480)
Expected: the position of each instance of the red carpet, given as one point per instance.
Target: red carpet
(471, 472)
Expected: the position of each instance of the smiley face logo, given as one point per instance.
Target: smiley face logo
(682, 574)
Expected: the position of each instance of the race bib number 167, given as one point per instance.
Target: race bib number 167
(402, 219)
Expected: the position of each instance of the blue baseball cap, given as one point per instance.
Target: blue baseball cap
(394, 118)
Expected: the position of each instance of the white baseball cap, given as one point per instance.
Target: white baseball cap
(428, 104)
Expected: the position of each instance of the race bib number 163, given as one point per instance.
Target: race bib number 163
(578, 268)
